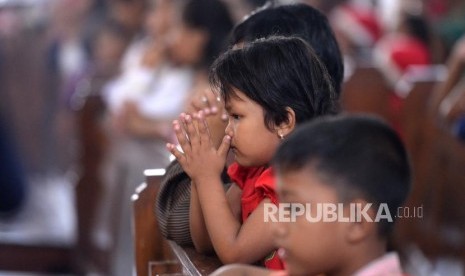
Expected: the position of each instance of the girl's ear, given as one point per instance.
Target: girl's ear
(285, 128)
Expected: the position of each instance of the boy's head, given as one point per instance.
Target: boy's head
(281, 74)
(343, 159)
(299, 20)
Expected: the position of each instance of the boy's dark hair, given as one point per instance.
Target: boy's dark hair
(213, 17)
(360, 156)
(299, 20)
(276, 73)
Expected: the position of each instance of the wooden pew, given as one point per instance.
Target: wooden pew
(154, 254)
(151, 249)
(366, 91)
(439, 182)
(89, 189)
(194, 263)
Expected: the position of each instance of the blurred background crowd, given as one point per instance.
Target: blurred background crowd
(88, 90)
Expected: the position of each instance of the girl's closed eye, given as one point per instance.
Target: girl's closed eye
(235, 116)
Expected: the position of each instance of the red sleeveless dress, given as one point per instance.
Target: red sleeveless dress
(256, 183)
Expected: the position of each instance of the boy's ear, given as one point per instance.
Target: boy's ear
(285, 128)
(361, 228)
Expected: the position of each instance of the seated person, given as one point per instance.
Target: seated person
(269, 86)
(356, 164)
(172, 204)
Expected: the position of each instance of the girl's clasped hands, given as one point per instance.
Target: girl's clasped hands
(198, 154)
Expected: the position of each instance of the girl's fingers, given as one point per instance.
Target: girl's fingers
(205, 139)
(191, 131)
(224, 117)
(210, 111)
(181, 136)
(224, 147)
(174, 151)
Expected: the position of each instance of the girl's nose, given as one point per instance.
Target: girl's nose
(229, 127)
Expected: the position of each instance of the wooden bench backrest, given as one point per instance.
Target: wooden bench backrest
(149, 244)
(154, 254)
(438, 159)
(366, 91)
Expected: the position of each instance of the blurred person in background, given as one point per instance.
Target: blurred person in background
(83, 96)
(357, 29)
(144, 80)
(158, 73)
(407, 45)
(71, 29)
(129, 14)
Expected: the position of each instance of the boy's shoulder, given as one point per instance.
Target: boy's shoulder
(387, 265)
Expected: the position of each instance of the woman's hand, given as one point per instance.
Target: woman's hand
(199, 158)
(204, 99)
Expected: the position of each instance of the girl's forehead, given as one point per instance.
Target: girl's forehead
(235, 96)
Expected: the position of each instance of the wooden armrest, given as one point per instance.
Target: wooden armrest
(194, 263)
(150, 246)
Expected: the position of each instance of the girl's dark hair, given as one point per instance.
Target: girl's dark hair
(213, 17)
(276, 73)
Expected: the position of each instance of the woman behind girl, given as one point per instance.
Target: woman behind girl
(269, 87)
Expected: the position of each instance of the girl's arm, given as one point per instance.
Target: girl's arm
(198, 230)
(233, 242)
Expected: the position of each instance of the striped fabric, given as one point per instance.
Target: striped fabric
(172, 204)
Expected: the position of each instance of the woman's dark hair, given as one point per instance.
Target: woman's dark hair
(213, 17)
(277, 73)
(299, 20)
(359, 156)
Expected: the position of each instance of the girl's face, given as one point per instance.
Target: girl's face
(309, 248)
(252, 142)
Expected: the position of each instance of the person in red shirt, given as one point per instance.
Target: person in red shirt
(269, 86)
(397, 54)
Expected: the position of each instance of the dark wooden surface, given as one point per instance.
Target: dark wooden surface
(365, 92)
(36, 258)
(438, 160)
(89, 188)
(150, 246)
(194, 263)
(154, 254)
